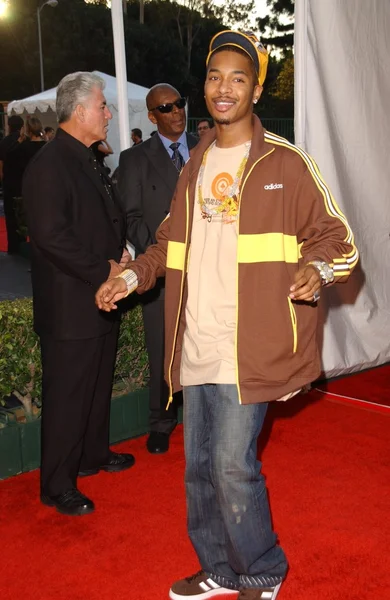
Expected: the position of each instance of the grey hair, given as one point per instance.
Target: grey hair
(74, 89)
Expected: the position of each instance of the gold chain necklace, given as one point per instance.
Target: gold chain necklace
(229, 206)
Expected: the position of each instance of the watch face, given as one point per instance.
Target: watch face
(327, 273)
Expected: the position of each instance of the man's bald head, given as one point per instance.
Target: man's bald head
(171, 122)
(155, 92)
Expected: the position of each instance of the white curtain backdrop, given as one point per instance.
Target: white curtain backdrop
(342, 119)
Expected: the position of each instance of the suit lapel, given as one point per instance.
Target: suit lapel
(161, 162)
(109, 202)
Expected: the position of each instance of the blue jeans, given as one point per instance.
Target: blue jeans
(229, 520)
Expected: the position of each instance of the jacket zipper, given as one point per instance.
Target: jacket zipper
(238, 230)
(294, 323)
(184, 272)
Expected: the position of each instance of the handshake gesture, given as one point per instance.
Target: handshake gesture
(305, 288)
(115, 288)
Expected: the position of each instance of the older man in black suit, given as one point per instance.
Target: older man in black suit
(77, 237)
(147, 179)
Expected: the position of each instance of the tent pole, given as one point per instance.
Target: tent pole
(300, 57)
(121, 72)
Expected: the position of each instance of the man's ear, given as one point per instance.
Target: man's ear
(152, 118)
(80, 112)
(257, 91)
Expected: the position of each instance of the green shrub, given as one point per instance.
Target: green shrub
(20, 357)
(132, 366)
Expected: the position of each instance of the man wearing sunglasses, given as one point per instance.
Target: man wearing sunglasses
(147, 178)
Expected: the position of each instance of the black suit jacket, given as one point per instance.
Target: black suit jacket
(75, 227)
(146, 182)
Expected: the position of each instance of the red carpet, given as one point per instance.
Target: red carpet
(3, 235)
(327, 472)
(370, 389)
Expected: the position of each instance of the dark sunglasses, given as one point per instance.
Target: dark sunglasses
(167, 108)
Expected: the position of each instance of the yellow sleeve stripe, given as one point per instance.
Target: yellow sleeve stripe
(176, 255)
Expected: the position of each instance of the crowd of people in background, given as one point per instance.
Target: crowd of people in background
(16, 150)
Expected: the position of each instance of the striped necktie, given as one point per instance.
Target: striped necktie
(177, 158)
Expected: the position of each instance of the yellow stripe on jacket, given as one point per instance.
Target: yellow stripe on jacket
(267, 247)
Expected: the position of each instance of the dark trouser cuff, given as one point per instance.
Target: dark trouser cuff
(259, 581)
(224, 582)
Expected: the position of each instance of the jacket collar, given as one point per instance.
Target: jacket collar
(258, 147)
(77, 147)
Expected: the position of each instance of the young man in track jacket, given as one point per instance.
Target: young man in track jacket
(252, 236)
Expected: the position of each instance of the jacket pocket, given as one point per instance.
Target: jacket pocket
(294, 324)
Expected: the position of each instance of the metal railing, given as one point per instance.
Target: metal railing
(281, 126)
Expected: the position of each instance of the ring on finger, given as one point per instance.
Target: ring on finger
(316, 296)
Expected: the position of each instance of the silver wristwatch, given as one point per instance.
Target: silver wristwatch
(324, 269)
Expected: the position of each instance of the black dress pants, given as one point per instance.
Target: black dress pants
(160, 419)
(76, 397)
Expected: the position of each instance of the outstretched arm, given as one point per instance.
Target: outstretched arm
(141, 273)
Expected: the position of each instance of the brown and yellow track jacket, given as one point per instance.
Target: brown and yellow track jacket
(287, 218)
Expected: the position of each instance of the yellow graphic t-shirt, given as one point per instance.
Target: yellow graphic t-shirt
(209, 340)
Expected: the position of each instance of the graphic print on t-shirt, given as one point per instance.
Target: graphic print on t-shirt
(219, 185)
(222, 204)
(219, 189)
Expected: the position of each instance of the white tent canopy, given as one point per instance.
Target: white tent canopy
(342, 89)
(43, 106)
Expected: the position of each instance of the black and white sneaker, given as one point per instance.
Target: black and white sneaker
(197, 587)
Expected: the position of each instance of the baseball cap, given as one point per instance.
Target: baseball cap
(247, 41)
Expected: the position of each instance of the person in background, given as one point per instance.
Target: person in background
(19, 157)
(252, 238)
(49, 133)
(148, 174)
(203, 127)
(10, 142)
(15, 136)
(76, 229)
(136, 136)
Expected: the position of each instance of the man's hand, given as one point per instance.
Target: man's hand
(307, 282)
(125, 259)
(115, 269)
(110, 293)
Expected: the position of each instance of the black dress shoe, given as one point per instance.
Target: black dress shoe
(158, 442)
(115, 463)
(72, 503)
